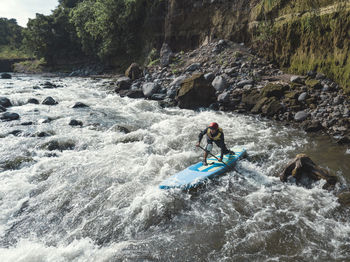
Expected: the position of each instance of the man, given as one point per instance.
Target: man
(216, 135)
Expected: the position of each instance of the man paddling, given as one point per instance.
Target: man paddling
(216, 135)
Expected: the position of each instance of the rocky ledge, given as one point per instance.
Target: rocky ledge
(227, 76)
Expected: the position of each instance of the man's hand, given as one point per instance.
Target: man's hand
(198, 144)
(220, 159)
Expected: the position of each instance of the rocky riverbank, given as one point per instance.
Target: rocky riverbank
(227, 76)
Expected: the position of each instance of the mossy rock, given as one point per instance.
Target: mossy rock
(274, 90)
(250, 98)
(59, 145)
(258, 106)
(313, 83)
(292, 95)
(16, 163)
(272, 107)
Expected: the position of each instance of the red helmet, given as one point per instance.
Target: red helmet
(213, 125)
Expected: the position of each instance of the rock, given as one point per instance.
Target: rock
(79, 105)
(5, 102)
(133, 72)
(7, 116)
(302, 97)
(134, 93)
(193, 67)
(251, 98)
(195, 92)
(6, 76)
(314, 84)
(49, 85)
(274, 90)
(245, 82)
(2, 109)
(27, 123)
(149, 89)
(49, 101)
(271, 107)
(166, 55)
(258, 106)
(178, 80)
(301, 116)
(296, 79)
(344, 140)
(33, 101)
(305, 172)
(344, 199)
(209, 77)
(123, 83)
(338, 100)
(311, 74)
(224, 97)
(74, 122)
(312, 126)
(320, 76)
(219, 83)
(58, 145)
(158, 97)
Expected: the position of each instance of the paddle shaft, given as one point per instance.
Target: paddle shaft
(214, 156)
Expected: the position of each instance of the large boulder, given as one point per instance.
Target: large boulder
(123, 83)
(274, 90)
(7, 116)
(219, 83)
(49, 101)
(149, 89)
(195, 92)
(303, 171)
(134, 71)
(6, 76)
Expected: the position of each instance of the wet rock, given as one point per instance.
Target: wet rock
(75, 122)
(149, 89)
(134, 71)
(33, 101)
(27, 123)
(344, 199)
(195, 92)
(43, 134)
(158, 97)
(6, 76)
(7, 116)
(5, 102)
(49, 101)
(49, 85)
(166, 55)
(132, 93)
(344, 140)
(219, 83)
(15, 132)
(59, 145)
(123, 83)
(79, 105)
(304, 171)
(301, 116)
(2, 109)
(312, 126)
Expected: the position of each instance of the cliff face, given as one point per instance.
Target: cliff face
(300, 35)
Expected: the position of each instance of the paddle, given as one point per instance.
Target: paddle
(217, 158)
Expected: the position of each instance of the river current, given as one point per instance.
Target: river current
(96, 196)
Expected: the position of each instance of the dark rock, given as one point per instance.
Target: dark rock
(195, 92)
(311, 74)
(2, 109)
(15, 132)
(6, 76)
(304, 171)
(301, 116)
(158, 97)
(74, 122)
(26, 123)
(43, 134)
(272, 107)
(149, 89)
(133, 93)
(79, 105)
(344, 199)
(5, 102)
(133, 72)
(224, 97)
(166, 55)
(33, 101)
(123, 83)
(49, 101)
(209, 77)
(7, 116)
(312, 126)
(259, 104)
(344, 140)
(59, 145)
(250, 98)
(49, 85)
(219, 83)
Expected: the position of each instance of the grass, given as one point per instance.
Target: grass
(6, 52)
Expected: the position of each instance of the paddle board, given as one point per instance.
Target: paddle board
(198, 173)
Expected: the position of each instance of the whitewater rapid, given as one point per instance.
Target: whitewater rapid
(98, 199)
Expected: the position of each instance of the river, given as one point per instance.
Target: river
(97, 199)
